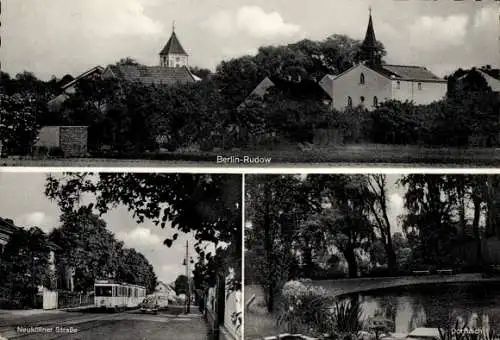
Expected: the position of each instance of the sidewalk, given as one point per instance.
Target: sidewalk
(30, 312)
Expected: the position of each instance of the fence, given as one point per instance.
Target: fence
(72, 299)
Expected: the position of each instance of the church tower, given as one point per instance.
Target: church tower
(173, 54)
(369, 52)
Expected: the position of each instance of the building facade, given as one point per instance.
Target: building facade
(370, 82)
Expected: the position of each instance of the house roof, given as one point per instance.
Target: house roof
(8, 226)
(370, 40)
(306, 88)
(153, 74)
(405, 72)
(173, 46)
(97, 69)
(494, 73)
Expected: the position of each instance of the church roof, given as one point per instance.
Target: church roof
(370, 40)
(173, 46)
(153, 74)
(405, 72)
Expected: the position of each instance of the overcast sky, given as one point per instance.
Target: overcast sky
(55, 37)
(23, 201)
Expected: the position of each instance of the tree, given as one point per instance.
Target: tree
(25, 265)
(207, 205)
(86, 245)
(181, 285)
(19, 127)
(377, 203)
(274, 208)
(430, 201)
(135, 268)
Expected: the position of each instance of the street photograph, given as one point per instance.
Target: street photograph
(372, 257)
(120, 256)
(249, 83)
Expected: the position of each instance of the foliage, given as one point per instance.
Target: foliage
(86, 245)
(305, 309)
(24, 266)
(181, 285)
(19, 127)
(208, 205)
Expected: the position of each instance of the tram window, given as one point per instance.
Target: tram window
(104, 291)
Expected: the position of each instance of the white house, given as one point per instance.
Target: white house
(371, 82)
(164, 289)
(369, 85)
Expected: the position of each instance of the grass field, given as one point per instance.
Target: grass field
(339, 155)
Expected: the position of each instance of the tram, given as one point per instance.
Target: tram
(117, 296)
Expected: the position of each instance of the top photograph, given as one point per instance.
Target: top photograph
(250, 83)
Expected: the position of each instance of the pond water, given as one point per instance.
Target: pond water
(434, 305)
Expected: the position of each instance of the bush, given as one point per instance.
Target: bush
(305, 308)
(56, 152)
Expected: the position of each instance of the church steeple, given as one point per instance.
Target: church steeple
(173, 54)
(369, 50)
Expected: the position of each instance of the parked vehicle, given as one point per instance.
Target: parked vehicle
(149, 305)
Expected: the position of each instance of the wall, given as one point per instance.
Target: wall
(233, 305)
(73, 140)
(408, 90)
(348, 84)
(171, 60)
(48, 137)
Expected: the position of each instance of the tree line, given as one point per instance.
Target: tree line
(83, 251)
(206, 205)
(128, 119)
(335, 226)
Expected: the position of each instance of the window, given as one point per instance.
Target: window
(362, 99)
(362, 79)
(375, 101)
(419, 86)
(398, 84)
(177, 59)
(349, 101)
(103, 291)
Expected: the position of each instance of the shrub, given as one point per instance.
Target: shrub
(56, 152)
(305, 308)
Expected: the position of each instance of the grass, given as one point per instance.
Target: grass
(283, 154)
(258, 321)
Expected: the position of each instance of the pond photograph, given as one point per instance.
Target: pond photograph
(372, 256)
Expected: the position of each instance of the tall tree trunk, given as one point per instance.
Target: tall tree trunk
(352, 263)
(475, 228)
(270, 283)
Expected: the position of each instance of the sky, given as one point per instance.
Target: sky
(56, 37)
(27, 205)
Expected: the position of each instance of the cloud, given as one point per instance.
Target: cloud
(257, 23)
(140, 236)
(431, 33)
(37, 219)
(252, 21)
(487, 19)
(118, 17)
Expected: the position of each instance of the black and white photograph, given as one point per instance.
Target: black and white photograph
(120, 256)
(231, 83)
(372, 256)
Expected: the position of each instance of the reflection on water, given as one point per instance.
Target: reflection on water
(437, 305)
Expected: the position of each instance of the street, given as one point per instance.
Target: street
(131, 325)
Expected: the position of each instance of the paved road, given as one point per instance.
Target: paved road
(131, 325)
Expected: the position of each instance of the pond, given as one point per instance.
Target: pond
(434, 305)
